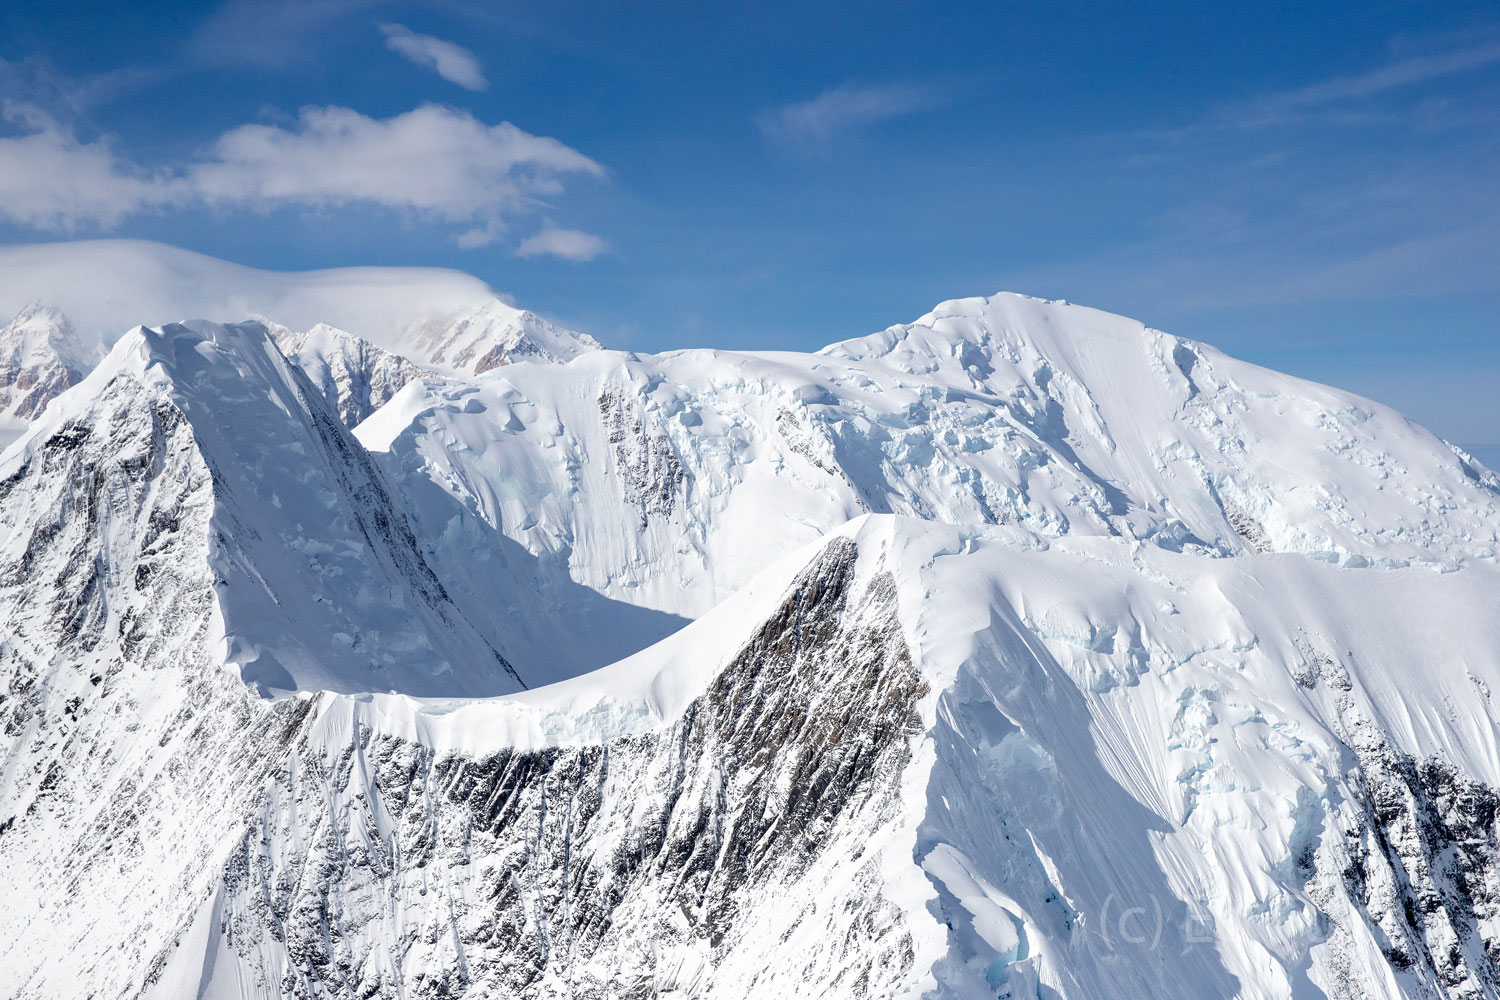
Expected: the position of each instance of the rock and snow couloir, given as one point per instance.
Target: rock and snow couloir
(1034, 654)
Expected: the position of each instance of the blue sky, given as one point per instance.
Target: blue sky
(1315, 187)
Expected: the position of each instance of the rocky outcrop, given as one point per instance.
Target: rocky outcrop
(630, 868)
(644, 462)
(355, 376)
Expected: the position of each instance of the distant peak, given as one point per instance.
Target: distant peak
(491, 335)
(40, 334)
(39, 320)
(40, 311)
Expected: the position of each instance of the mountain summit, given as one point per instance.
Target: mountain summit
(439, 318)
(1019, 651)
(40, 357)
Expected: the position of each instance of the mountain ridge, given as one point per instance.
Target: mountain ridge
(964, 659)
(437, 317)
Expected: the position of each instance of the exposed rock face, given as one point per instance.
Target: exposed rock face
(1426, 867)
(126, 743)
(645, 465)
(641, 865)
(1188, 705)
(1415, 854)
(355, 376)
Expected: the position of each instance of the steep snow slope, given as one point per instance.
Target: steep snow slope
(1188, 777)
(913, 760)
(431, 316)
(1168, 677)
(320, 581)
(667, 481)
(40, 357)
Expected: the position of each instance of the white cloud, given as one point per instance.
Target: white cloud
(435, 162)
(453, 63)
(849, 106)
(569, 244)
(50, 180)
(35, 81)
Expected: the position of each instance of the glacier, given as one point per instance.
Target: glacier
(1017, 651)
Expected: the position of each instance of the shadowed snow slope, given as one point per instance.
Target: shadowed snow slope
(1036, 654)
(318, 579)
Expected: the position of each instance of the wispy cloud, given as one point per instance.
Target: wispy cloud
(1398, 74)
(435, 162)
(1308, 243)
(1341, 91)
(453, 63)
(1264, 204)
(34, 81)
(268, 33)
(814, 124)
(569, 244)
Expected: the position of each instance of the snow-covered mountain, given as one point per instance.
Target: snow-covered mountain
(441, 319)
(1032, 653)
(40, 357)
(492, 335)
(669, 480)
(356, 377)
(322, 583)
